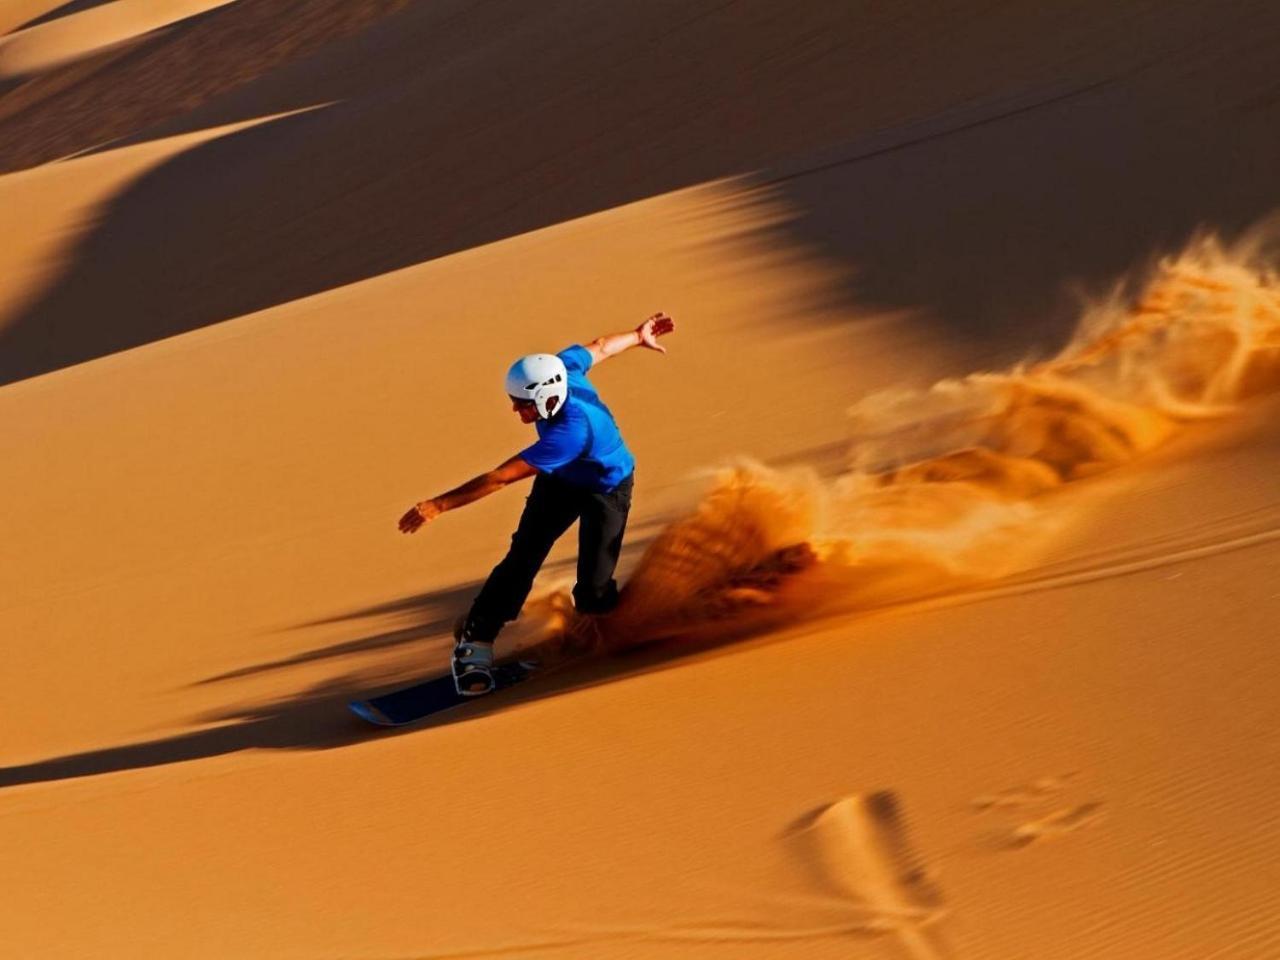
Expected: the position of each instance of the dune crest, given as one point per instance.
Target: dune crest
(17, 13)
(57, 42)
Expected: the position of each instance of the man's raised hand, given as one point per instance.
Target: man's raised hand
(656, 326)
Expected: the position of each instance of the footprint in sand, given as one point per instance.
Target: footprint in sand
(1053, 823)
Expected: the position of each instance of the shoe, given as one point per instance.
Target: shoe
(472, 663)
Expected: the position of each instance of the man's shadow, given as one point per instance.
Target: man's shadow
(317, 717)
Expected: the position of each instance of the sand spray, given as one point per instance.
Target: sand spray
(940, 486)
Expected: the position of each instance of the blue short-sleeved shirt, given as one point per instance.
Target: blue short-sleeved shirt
(581, 443)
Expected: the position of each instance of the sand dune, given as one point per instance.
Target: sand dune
(60, 41)
(18, 13)
(948, 629)
(392, 178)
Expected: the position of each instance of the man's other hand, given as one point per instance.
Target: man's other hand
(419, 514)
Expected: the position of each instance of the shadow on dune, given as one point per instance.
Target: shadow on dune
(426, 615)
(432, 614)
(317, 718)
(314, 718)
(445, 134)
(998, 219)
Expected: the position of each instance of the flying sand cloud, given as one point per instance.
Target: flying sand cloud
(941, 484)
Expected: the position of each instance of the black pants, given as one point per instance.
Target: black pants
(549, 511)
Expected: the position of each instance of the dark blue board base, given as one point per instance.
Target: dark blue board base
(430, 697)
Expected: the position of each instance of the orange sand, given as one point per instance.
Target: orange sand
(967, 650)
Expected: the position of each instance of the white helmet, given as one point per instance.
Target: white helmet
(539, 377)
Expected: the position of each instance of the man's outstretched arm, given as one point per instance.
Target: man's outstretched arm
(645, 335)
(517, 468)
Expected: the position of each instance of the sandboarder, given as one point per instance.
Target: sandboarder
(584, 472)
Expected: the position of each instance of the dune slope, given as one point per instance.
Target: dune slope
(958, 593)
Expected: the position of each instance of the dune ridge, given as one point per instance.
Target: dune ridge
(17, 14)
(57, 42)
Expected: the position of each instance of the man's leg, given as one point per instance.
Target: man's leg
(549, 511)
(604, 519)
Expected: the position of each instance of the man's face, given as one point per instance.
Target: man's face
(527, 410)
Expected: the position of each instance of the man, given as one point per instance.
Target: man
(584, 473)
